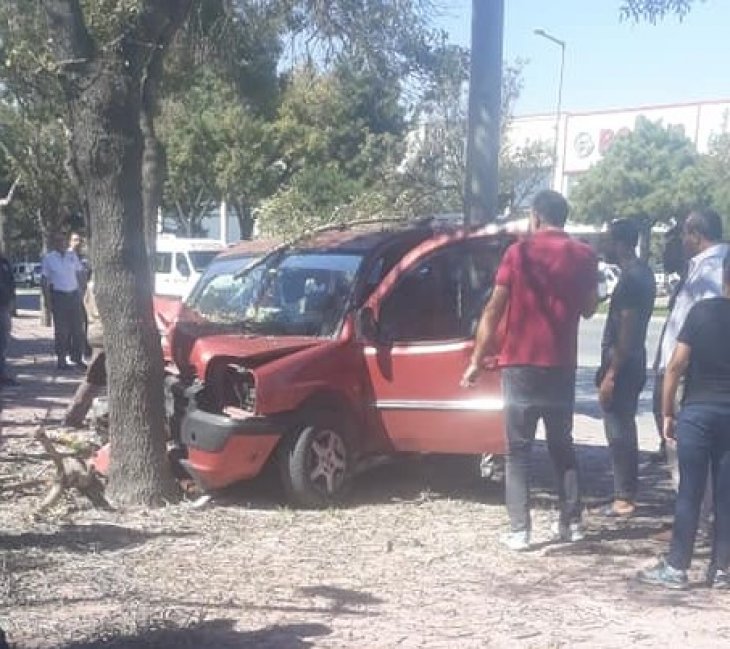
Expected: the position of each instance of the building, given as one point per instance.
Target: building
(584, 138)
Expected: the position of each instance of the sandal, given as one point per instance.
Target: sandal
(608, 511)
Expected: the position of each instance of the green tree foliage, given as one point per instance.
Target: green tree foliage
(217, 149)
(338, 134)
(651, 173)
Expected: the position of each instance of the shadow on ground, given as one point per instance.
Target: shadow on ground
(83, 538)
(216, 634)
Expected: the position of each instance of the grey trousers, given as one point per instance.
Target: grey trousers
(531, 394)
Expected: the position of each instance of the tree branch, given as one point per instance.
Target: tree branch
(4, 202)
(70, 40)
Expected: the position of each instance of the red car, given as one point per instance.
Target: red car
(347, 344)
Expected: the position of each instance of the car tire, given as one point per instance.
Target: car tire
(315, 461)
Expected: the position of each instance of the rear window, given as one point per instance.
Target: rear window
(201, 258)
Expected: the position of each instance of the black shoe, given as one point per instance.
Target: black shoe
(63, 366)
(719, 579)
(80, 365)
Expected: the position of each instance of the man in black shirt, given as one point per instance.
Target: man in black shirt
(623, 361)
(702, 432)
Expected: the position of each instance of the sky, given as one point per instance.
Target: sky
(608, 63)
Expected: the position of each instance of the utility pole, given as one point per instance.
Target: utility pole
(485, 99)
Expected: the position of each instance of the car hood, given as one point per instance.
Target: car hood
(252, 350)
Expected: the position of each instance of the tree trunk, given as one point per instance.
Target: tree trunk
(154, 160)
(245, 220)
(109, 152)
(103, 92)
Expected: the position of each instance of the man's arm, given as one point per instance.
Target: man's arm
(675, 370)
(627, 330)
(486, 338)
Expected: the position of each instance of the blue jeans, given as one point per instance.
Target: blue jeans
(531, 394)
(703, 442)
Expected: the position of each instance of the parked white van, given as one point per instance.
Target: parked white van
(180, 262)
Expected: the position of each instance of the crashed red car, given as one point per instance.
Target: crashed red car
(344, 345)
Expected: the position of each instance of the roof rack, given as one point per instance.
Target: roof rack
(428, 221)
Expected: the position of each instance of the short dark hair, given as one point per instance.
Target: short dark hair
(551, 206)
(624, 231)
(705, 222)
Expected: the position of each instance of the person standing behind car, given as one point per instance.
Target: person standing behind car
(95, 380)
(702, 433)
(622, 373)
(543, 285)
(60, 285)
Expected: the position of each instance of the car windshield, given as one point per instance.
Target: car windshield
(201, 259)
(290, 294)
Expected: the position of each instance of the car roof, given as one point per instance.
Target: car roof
(251, 247)
(361, 237)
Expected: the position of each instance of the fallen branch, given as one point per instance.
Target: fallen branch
(23, 484)
(71, 473)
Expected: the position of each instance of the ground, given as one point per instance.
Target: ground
(412, 561)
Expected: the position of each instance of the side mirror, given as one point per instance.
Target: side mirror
(366, 325)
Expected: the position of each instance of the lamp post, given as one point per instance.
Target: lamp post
(561, 44)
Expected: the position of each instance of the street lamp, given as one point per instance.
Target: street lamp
(557, 41)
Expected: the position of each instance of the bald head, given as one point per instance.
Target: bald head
(702, 229)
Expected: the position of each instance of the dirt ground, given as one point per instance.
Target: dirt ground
(413, 561)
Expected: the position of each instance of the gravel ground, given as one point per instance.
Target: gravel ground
(413, 561)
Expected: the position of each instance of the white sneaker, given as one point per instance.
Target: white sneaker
(567, 533)
(516, 541)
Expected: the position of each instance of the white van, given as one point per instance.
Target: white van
(180, 262)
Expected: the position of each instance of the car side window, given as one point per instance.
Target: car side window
(442, 296)
(163, 262)
(182, 265)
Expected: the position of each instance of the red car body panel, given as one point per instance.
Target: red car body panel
(251, 349)
(242, 458)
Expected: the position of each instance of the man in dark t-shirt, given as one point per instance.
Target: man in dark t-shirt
(702, 433)
(623, 361)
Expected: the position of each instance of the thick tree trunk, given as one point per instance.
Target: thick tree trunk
(109, 153)
(103, 91)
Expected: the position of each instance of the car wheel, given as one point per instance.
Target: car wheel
(316, 461)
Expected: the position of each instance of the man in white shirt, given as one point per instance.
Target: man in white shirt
(60, 285)
(702, 241)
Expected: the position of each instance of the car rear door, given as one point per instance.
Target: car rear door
(426, 312)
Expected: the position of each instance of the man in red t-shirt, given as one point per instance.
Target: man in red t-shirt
(544, 284)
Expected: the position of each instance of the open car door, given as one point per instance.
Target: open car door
(426, 312)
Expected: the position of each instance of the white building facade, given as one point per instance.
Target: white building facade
(584, 138)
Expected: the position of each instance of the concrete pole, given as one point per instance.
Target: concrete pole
(485, 98)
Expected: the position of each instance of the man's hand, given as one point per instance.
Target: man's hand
(669, 428)
(605, 391)
(471, 374)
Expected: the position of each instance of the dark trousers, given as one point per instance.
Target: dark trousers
(67, 326)
(703, 442)
(656, 403)
(5, 326)
(531, 394)
(619, 423)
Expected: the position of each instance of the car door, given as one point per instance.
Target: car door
(426, 312)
